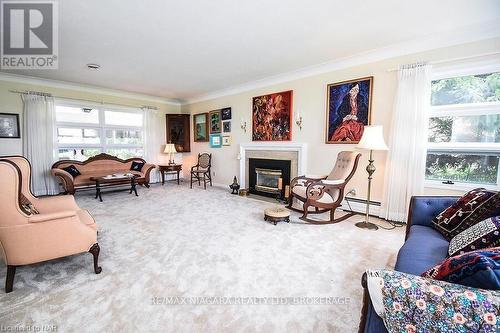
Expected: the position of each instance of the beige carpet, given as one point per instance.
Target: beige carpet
(173, 241)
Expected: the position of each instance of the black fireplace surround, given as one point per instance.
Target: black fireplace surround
(269, 164)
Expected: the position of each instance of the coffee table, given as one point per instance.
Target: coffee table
(113, 181)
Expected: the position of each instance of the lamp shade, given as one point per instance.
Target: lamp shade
(170, 148)
(373, 138)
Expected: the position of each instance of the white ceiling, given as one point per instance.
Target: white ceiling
(184, 49)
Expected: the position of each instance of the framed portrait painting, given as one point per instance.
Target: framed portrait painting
(200, 127)
(348, 110)
(272, 117)
(178, 131)
(215, 121)
(226, 126)
(9, 126)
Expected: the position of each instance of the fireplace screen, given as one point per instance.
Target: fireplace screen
(267, 180)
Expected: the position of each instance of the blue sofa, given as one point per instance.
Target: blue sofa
(424, 248)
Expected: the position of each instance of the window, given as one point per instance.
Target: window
(464, 131)
(68, 114)
(83, 132)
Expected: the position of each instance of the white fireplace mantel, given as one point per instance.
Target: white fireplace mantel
(300, 148)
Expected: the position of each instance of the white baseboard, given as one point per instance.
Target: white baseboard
(357, 206)
(360, 207)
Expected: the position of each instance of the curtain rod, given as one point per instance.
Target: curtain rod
(452, 60)
(40, 93)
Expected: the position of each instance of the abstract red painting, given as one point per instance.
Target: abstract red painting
(272, 117)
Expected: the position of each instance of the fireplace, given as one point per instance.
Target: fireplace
(268, 180)
(268, 177)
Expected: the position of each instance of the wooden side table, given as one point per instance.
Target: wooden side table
(170, 168)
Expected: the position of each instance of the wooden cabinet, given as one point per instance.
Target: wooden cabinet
(178, 131)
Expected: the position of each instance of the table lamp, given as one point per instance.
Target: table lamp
(170, 150)
(372, 139)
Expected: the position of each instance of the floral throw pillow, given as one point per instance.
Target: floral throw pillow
(27, 205)
(417, 304)
(479, 269)
(483, 235)
(473, 207)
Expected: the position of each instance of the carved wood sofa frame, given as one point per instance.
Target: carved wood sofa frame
(66, 180)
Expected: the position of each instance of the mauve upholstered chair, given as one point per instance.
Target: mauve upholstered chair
(35, 229)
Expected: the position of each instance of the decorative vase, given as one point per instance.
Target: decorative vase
(234, 186)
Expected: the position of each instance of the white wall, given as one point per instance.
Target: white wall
(309, 97)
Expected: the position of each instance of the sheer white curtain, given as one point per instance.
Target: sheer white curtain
(405, 165)
(38, 143)
(153, 139)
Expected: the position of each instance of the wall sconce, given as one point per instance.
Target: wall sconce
(298, 120)
(243, 125)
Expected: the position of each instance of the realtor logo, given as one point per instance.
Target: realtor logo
(29, 35)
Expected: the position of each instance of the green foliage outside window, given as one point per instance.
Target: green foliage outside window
(466, 89)
(478, 168)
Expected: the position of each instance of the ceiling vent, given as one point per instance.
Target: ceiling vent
(93, 67)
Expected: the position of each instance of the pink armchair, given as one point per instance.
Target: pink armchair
(35, 229)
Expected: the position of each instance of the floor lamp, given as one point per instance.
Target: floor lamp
(372, 139)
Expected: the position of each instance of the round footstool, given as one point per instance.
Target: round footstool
(277, 214)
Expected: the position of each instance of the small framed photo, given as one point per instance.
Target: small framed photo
(215, 121)
(226, 140)
(226, 126)
(9, 126)
(225, 113)
(215, 140)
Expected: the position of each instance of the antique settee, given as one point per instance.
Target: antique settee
(97, 166)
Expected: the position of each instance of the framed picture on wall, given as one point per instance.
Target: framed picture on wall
(9, 126)
(226, 140)
(215, 121)
(200, 127)
(348, 110)
(178, 131)
(272, 117)
(215, 140)
(225, 113)
(226, 126)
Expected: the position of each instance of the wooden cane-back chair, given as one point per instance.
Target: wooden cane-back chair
(201, 171)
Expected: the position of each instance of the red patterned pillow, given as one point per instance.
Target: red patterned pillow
(478, 269)
(473, 207)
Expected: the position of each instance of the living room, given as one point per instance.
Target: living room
(250, 166)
